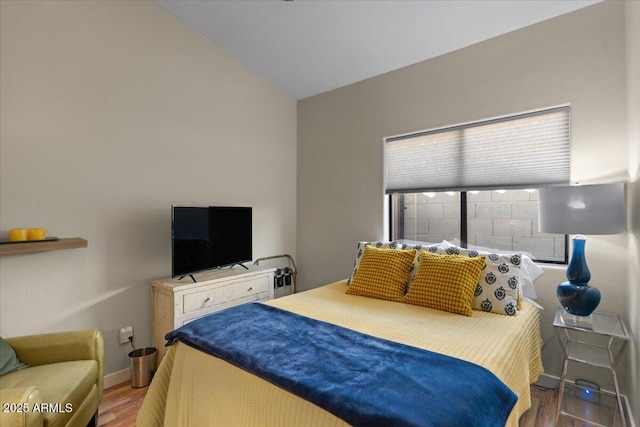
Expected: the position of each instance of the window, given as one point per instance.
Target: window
(472, 184)
(505, 219)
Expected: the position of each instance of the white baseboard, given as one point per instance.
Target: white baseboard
(552, 382)
(548, 381)
(116, 378)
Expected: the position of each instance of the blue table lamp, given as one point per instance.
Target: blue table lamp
(581, 209)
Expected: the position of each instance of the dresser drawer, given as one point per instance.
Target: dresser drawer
(193, 315)
(176, 303)
(246, 290)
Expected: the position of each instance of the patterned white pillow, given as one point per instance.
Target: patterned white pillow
(529, 270)
(432, 247)
(498, 290)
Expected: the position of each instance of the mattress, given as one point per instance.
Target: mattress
(192, 388)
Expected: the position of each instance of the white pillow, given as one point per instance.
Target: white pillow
(529, 272)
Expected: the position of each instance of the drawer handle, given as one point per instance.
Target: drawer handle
(250, 289)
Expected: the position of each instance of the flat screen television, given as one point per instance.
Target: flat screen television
(204, 238)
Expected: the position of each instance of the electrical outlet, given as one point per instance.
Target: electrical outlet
(125, 334)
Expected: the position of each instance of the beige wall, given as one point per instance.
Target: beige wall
(632, 16)
(111, 112)
(578, 58)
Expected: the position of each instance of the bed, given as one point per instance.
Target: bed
(193, 388)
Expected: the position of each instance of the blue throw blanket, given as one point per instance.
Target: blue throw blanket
(364, 380)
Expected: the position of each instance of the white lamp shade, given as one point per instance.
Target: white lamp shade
(582, 209)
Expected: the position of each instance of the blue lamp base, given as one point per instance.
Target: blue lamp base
(579, 299)
(576, 296)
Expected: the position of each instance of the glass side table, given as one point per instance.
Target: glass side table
(598, 340)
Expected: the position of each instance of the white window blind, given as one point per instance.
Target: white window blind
(526, 150)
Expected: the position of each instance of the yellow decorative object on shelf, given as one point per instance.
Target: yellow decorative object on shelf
(36, 234)
(18, 235)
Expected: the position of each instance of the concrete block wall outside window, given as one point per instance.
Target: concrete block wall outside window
(504, 220)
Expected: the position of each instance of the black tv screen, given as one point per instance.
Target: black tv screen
(204, 238)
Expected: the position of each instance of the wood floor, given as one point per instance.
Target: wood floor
(121, 403)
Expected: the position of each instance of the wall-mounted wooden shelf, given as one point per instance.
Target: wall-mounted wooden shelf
(48, 245)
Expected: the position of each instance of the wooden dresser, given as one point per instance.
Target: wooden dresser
(178, 302)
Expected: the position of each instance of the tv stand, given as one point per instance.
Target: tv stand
(241, 265)
(190, 275)
(219, 268)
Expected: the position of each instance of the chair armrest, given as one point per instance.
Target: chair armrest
(43, 349)
(17, 405)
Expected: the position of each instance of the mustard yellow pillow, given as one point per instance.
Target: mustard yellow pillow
(445, 282)
(383, 274)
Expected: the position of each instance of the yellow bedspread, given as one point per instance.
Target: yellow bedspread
(192, 388)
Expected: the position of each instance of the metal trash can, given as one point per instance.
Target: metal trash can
(142, 362)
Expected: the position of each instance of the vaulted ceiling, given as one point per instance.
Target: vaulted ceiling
(306, 47)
